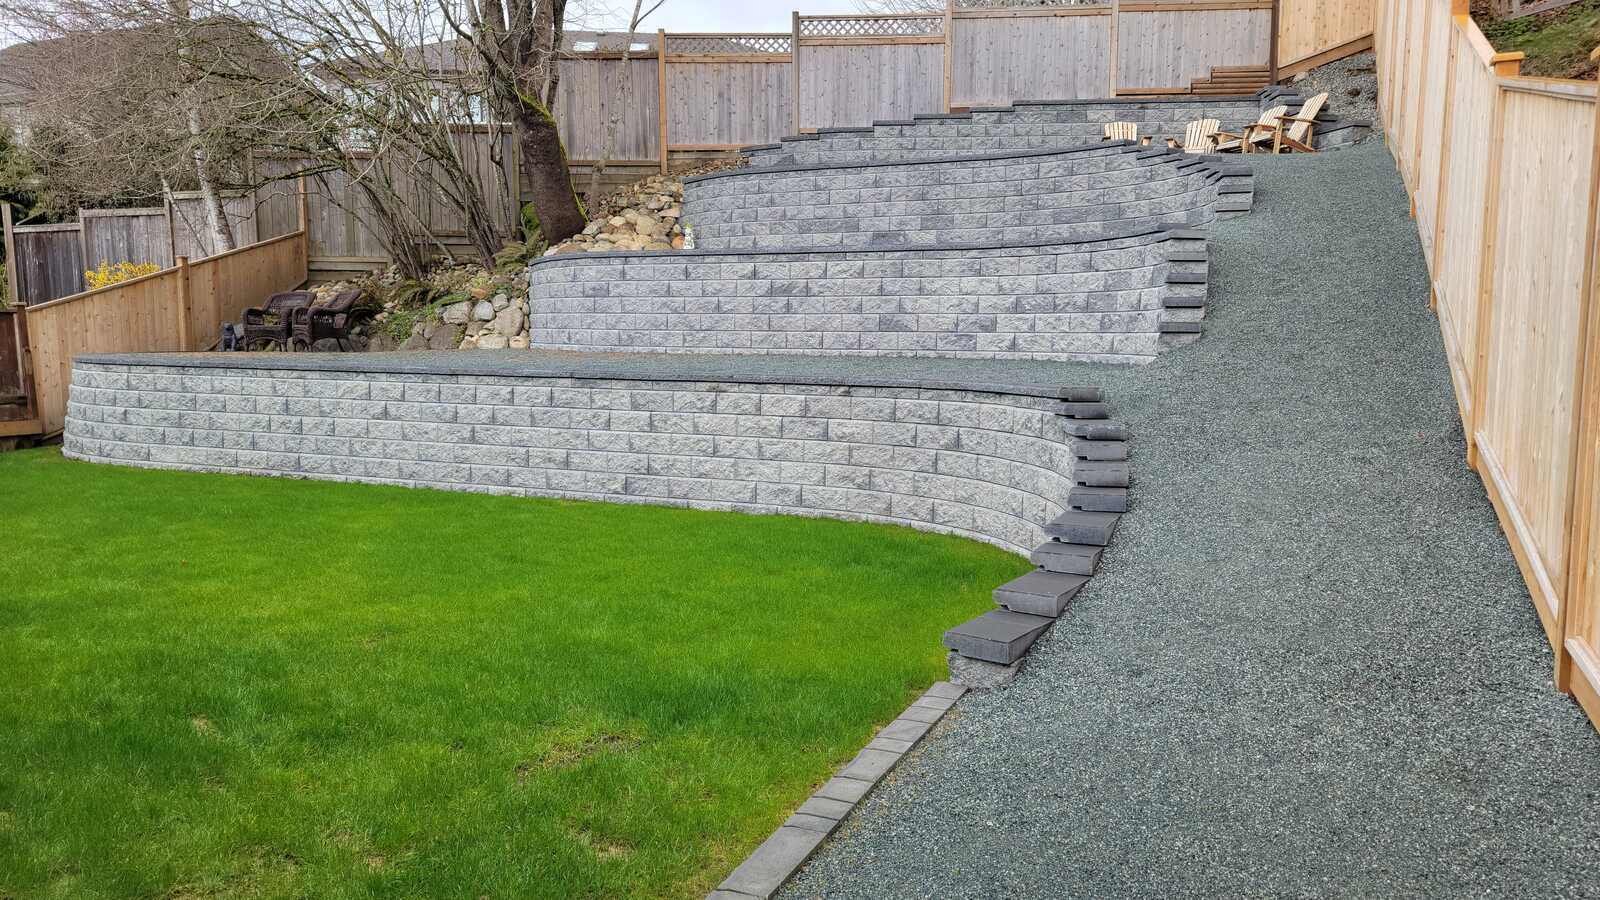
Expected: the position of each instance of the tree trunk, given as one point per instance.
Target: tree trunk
(216, 214)
(545, 173)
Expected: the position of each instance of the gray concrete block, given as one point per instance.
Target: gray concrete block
(1067, 558)
(1100, 450)
(823, 807)
(778, 857)
(1099, 499)
(1097, 430)
(1102, 473)
(1039, 593)
(1077, 526)
(998, 636)
(846, 790)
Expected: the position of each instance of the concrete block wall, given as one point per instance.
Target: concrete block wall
(1117, 298)
(1024, 196)
(1032, 125)
(995, 464)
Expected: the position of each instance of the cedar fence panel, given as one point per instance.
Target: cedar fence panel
(1311, 32)
(1503, 172)
(179, 308)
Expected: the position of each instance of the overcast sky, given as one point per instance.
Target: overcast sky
(726, 15)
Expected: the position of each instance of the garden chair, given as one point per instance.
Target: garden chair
(1199, 136)
(1125, 131)
(331, 320)
(1296, 132)
(1258, 133)
(273, 324)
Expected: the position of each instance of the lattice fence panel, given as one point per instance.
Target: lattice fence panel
(733, 44)
(873, 26)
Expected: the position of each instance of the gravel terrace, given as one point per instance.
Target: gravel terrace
(1309, 665)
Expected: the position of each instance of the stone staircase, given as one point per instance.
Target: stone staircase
(987, 651)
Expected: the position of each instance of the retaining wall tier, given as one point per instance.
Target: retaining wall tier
(1117, 297)
(990, 462)
(1027, 196)
(1041, 124)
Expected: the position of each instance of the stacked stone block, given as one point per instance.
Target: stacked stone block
(1103, 300)
(1033, 125)
(1021, 197)
(994, 464)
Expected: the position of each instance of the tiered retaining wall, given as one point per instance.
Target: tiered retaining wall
(1019, 197)
(1111, 299)
(993, 463)
(1033, 125)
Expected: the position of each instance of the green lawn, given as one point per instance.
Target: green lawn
(222, 686)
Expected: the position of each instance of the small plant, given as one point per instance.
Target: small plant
(108, 274)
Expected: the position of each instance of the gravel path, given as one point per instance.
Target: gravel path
(1309, 666)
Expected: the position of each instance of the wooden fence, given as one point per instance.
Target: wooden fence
(701, 92)
(1314, 32)
(1503, 172)
(51, 259)
(178, 308)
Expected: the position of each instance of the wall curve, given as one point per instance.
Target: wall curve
(996, 464)
(1033, 125)
(1020, 197)
(1115, 298)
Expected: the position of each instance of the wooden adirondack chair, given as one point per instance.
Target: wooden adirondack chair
(1125, 131)
(1295, 132)
(1199, 136)
(1258, 133)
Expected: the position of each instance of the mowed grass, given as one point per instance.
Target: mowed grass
(224, 686)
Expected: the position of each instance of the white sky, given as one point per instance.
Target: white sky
(726, 15)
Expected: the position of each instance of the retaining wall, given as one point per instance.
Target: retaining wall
(1026, 196)
(1033, 125)
(1109, 299)
(992, 463)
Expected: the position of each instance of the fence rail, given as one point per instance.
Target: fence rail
(1503, 171)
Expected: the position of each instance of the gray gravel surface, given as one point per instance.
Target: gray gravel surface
(1309, 666)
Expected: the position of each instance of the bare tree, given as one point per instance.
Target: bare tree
(618, 95)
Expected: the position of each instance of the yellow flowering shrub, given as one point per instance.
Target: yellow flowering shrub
(115, 273)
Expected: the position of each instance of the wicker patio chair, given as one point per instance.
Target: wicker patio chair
(273, 324)
(331, 320)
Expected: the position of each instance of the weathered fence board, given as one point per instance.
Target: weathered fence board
(996, 59)
(49, 261)
(1503, 172)
(1171, 48)
(854, 84)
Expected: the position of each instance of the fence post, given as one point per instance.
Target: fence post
(1585, 454)
(1272, 51)
(1501, 64)
(83, 244)
(172, 232)
(949, 41)
(794, 63)
(1111, 77)
(185, 306)
(303, 207)
(13, 289)
(661, 93)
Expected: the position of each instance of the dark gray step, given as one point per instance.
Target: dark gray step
(998, 636)
(1172, 300)
(1097, 429)
(1169, 327)
(1200, 255)
(1080, 526)
(1099, 499)
(1186, 277)
(1101, 474)
(1100, 450)
(1074, 410)
(1066, 558)
(1081, 394)
(1039, 593)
